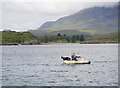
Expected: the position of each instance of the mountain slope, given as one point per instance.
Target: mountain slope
(46, 25)
(95, 20)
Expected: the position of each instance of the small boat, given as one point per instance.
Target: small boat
(76, 62)
(67, 60)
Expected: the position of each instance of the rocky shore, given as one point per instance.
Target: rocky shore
(26, 42)
(98, 42)
(35, 42)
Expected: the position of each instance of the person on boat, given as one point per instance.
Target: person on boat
(74, 57)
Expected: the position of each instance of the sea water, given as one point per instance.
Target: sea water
(41, 65)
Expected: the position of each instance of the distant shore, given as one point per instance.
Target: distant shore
(54, 43)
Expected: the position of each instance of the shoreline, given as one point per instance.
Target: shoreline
(52, 43)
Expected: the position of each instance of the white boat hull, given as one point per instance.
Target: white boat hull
(76, 62)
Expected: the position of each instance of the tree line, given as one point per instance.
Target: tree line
(64, 38)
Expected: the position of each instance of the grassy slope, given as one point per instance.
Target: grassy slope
(107, 37)
(92, 32)
(98, 26)
(67, 32)
(16, 36)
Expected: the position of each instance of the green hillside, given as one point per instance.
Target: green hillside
(106, 37)
(12, 36)
(67, 32)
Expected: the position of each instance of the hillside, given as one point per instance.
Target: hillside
(107, 37)
(90, 21)
(16, 37)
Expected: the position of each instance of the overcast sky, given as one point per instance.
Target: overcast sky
(22, 15)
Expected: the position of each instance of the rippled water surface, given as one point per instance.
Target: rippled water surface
(41, 65)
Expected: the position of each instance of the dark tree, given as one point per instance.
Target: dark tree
(68, 39)
(77, 37)
(58, 34)
(82, 38)
(73, 39)
(64, 35)
(46, 39)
